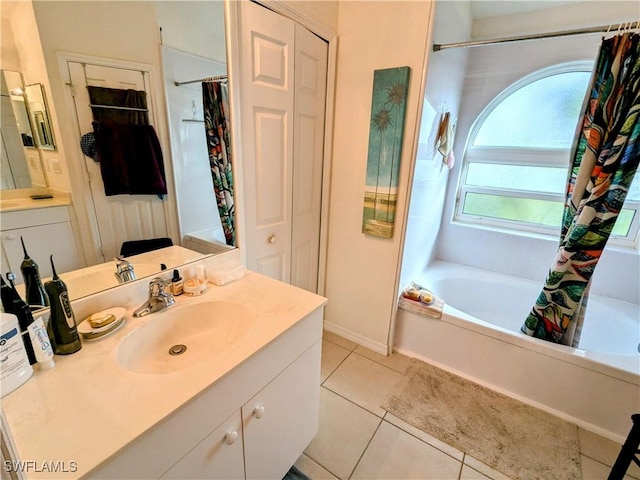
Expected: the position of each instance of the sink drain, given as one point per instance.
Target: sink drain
(177, 349)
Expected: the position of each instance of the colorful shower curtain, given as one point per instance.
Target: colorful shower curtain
(215, 99)
(604, 161)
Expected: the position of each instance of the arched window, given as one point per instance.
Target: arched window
(518, 153)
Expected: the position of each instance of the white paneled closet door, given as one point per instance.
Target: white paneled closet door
(282, 91)
(118, 218)
(308, 146)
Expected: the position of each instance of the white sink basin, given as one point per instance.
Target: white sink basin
(206, 329)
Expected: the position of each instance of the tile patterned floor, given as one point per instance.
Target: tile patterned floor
(358, 439)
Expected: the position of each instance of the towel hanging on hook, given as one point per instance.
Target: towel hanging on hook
(444, 139)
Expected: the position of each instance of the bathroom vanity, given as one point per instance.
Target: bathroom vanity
(241, 402)
(38, 222)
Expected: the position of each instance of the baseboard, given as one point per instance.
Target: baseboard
(366, 342)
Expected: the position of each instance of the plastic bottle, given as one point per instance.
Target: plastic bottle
(62, 323)
(35, 295)
(13, 303)
(41, 344)
(14, 368)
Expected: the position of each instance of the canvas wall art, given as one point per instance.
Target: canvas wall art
(386, 132)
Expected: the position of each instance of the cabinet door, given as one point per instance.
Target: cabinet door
(218, 456)
(281, 420)
(41, 241)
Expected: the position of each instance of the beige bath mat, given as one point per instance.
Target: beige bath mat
(518, 440)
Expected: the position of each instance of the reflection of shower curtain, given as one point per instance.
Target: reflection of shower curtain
(605, 159)
(215, 99)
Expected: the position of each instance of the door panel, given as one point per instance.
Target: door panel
(287, 421)
(310, 92)
(267, 100)
(120, 217)
(271, 173)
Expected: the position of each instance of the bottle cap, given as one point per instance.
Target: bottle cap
(176, 276)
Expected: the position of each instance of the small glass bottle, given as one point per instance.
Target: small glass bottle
(177, 283)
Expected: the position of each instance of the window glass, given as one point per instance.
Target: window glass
(518, 177)
(541, 114)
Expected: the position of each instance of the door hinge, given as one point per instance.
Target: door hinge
(72, 90)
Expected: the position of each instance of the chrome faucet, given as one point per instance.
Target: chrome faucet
(125, 271)
(158, 298)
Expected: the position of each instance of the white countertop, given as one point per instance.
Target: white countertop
(88, 407)
(10, 204)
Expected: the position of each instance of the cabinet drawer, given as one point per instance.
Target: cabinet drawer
(35, 217)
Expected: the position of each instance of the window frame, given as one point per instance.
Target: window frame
(524, 156)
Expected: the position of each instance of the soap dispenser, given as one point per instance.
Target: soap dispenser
(34, 291)
(62, 323)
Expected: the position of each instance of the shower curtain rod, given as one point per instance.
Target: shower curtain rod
(217, 78)
(496, 41)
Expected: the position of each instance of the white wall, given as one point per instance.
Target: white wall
(490, 70)
(445, 79)
(362, 270)
(195, 27)
(197, 209)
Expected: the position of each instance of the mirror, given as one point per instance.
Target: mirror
(37, 102)
(194, 30)
(21, 162)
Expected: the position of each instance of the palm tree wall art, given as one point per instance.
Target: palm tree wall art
(388, 109)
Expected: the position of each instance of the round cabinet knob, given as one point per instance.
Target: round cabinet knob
(258, 412)
(272, 239)
(230, 437)
(13, 237)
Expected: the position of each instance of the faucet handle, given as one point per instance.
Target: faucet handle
(157, 286)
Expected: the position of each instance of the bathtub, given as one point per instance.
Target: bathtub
(209, 241)
(596, 386)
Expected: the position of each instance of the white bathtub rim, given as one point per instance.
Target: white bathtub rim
(624, 367)
(627, 368)
(540, 406)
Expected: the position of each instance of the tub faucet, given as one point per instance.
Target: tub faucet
(158, 300)
(124, 271)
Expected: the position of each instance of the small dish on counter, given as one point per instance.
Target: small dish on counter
(107, 321)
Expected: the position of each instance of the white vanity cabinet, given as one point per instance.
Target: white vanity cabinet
(252, 423)
(218, 456)
(46, 231)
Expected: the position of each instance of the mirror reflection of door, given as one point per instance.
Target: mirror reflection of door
(119, 218)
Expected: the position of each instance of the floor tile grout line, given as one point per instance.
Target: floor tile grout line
(318, 463)
(341, 346)
(334, 370)
(423, 441)
(380, 363)
(354, 403)
(365, 448)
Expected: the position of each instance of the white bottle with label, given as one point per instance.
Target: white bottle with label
(14, 363)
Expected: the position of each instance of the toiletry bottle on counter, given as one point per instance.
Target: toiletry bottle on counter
(14, 368)
(62, 323)
(176, 283)
(13, 303)
(41, 344)
(35, 295)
